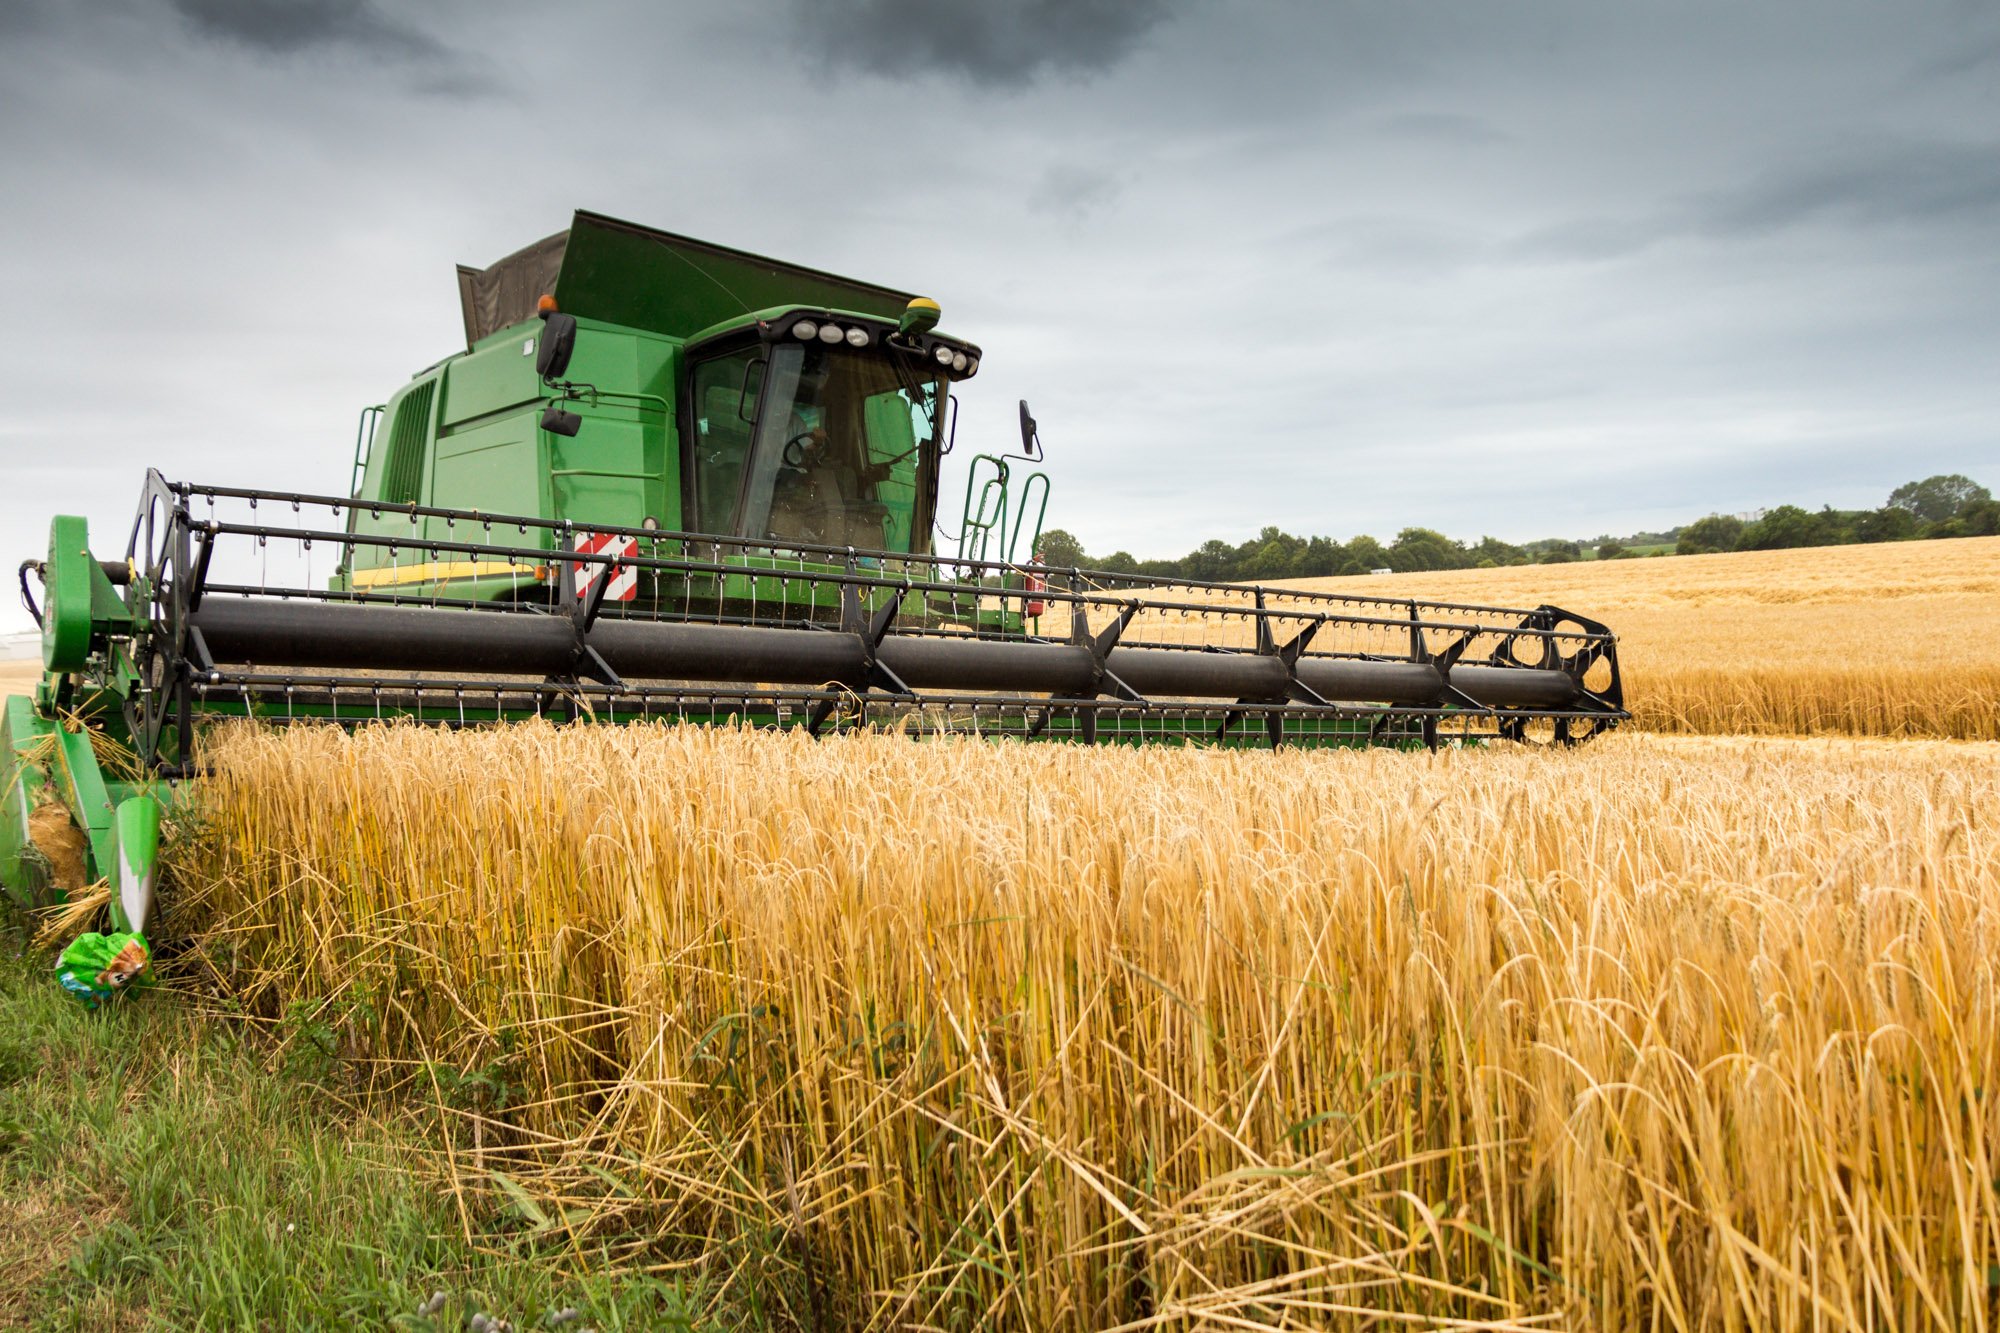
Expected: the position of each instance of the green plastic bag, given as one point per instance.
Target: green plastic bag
(96, 967)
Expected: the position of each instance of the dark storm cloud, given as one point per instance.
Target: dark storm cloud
(290, 27)
(986, 43)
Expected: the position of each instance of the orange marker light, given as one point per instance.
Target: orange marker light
(545, 305)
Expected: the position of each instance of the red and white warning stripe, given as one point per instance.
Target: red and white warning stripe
(624, 585)
(1033, 580)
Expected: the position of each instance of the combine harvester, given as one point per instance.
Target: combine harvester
(670, 480)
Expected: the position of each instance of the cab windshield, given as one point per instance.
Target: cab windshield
(837, 454)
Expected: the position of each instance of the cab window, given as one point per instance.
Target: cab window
(725, 401)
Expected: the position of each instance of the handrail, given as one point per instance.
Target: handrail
(974, 518)
(364, 446)
(1013, 552)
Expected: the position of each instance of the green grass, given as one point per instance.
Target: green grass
(161, 1169)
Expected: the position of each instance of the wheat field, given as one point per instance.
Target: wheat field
(19, 677)
(1662, 1033)
(1888, 640)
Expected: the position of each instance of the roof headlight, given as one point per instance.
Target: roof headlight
(805, 328)
(942, 353)
(857, 337)
(829, 333)
(958, 362)
(972, 365)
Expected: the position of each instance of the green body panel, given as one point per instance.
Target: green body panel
(23, 735)
(467, 436)
(487, 445)
(84, 790)
(136, 837)
(66, 627)
(624, 465)
(620, 273)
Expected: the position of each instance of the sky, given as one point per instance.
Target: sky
(1520, 269)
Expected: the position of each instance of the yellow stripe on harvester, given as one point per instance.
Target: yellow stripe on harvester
(436, 571)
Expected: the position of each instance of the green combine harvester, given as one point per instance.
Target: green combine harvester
(666, 479)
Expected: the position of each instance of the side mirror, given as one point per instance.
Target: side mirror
(558, 342)
(1031, 440)
(558, 422)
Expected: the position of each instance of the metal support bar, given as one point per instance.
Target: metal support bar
(199, 581)
(199, 658)
(590, 665)
(1297, 690)
(585, 608)
(1103, 680)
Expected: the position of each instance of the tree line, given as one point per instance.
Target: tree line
(1940, 506)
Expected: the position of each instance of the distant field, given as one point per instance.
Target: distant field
(1900, 639)
(17, 677)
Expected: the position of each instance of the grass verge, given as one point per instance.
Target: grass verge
(163, 1169)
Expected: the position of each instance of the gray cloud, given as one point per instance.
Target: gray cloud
(291, 27)
(1073, 191)
(1409, 247)
(19, 17)
(1442, 127)
(1590, 240)
(1932, 184)
(986, 43)
(1965, 58)
(1866, 184)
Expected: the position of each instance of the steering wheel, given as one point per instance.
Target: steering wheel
(794, 452)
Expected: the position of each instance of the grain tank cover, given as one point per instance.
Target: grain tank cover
(626, 274)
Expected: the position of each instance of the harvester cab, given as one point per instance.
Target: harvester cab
(617, 376)
(669, 480)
